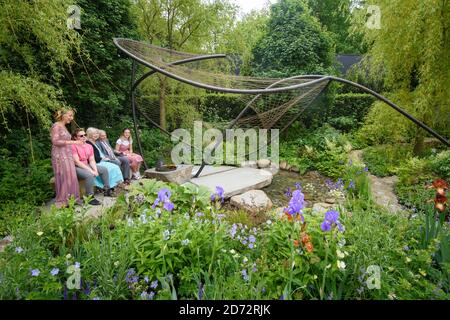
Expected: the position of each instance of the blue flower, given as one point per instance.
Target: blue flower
(251, 245)
(200, 214)
(288, 192)
(146, 279)
(35, 272)
(164, 198)
(331, 219)
(366, 169)
(252, 239)
(351, 185)
(245, 275)
(296, 204)
(19, 250)
(77, 265)
(151, 295)
(218, 194)
(233, 230)
(54, 271)
(154, 284)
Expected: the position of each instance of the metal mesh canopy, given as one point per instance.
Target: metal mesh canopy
(263, 102)
(266, 102)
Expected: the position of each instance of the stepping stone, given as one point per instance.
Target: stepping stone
(253, 201)
(208, 170)
(263, 163)
(236, 181)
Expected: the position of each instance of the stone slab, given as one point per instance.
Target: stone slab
(209, 170)
(181, 175)
(236, 181)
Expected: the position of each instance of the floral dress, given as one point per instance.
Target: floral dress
(124, 147)
(66, 182)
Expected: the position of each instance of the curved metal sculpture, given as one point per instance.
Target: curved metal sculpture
(310, 80)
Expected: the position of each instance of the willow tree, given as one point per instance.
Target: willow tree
(411, 49)
(35, 48)
(183, 25)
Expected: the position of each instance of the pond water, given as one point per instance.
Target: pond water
(312, 183)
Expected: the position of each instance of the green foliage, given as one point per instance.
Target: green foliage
(416, 65)
(293, 44)
(98, 83)
(324, 149)
(336, 17)
(348, 110)
(385, 160)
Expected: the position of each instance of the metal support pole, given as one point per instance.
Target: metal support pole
(133, 106)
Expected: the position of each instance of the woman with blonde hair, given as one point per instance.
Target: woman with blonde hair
(66, 182)
(125, 145)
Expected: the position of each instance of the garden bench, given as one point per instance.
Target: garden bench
(80, 182)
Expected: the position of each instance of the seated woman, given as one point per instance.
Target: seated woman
(125, 145)
(111, 156)
(85, 166)
(114, 176)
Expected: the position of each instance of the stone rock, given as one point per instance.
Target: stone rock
(283, 165)
(295, 169)
(288, 167)
(273, 169)
(253, 201)
(330, 200)
(180, 175)
(249, 164)
(263, 163)
(320, 208)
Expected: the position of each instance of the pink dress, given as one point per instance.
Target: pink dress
(66, 182)
(124, 147)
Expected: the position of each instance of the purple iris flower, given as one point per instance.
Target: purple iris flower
(296, 204)
(218, 194)
(164, 198)
(331, 219)
(154, 284)
(298, 186)
(288, 192)
(35, 272)
(351, 185)
(54, 271)
(366, 169)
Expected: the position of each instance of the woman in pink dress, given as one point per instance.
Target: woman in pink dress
(66, 182)
(125, 145)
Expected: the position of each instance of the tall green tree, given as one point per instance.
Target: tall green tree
(36, 49)
(336, 17)
(98, 86)
(294, 43)
(186, 25)
(412, 49)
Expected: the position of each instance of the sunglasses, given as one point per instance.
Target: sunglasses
(81, 135)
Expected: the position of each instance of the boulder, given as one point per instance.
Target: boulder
(330, 200)
(273, 169)
(283, 165)
(295, 169)
(180, 175)
(263, 163)
(288, 167)
(253, 201)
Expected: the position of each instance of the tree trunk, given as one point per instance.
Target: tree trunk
(162, 102)
(419, 145)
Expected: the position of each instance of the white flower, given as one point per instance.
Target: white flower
(69, 256)
(40, 233)
(116, 264)
(245, 260)
(341, 265)
(340, 254)
(185, 242)
(232, 251)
